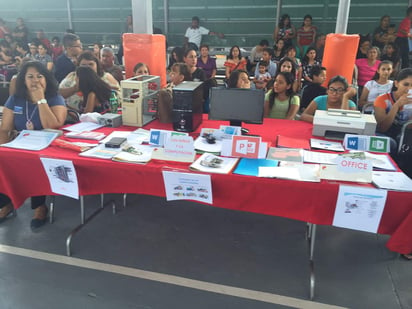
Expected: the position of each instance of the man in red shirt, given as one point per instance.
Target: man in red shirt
(402, 37)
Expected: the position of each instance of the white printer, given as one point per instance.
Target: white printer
(335, 123)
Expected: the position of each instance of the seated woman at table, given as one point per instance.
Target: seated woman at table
(96, 92)
(239, 79)
(281, 101)
(338, 96)
(69, 88)
(36, 105)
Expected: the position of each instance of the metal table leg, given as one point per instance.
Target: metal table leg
(84, 221)
(311, 236)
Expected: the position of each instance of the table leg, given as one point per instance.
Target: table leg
(51, 216)
(85, 221)
(311, 236)
(124, 200)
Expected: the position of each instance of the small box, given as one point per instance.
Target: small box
(110, 120)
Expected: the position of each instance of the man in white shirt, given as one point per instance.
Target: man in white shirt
(193, 35)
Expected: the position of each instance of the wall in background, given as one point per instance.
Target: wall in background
(244, 22)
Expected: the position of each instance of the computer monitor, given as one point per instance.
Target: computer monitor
(237, 105)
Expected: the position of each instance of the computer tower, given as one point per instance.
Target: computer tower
(187, 106)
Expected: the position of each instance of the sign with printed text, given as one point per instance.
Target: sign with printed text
(177, 145)
(158, 137)
(350, 165)
(188, 186)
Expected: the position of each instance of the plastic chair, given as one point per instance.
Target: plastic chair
(405, 131)
(366, 109)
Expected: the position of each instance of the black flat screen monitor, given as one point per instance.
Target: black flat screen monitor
(237, 105)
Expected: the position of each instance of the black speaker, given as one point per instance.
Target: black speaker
(187, 106)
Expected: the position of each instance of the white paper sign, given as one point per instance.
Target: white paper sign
(188, 186)
(62, 177)
(176, 145)
(359, 208)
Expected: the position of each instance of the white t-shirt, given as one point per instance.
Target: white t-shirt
(376, 89)
(194, 35)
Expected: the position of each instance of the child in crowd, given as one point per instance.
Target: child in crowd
(96, 92)
(379, 84)
(141, 69)
(390, 35)
(308, 61)
(179, 72)
(263, 77)
(314, 88)
(281, 101)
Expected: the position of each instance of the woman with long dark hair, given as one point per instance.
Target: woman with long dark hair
(96, 92)
(281, 101)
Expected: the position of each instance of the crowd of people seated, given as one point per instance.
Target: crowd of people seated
(293, 87)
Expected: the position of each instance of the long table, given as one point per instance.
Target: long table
(22, 175)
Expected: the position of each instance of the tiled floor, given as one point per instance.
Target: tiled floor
(158, 254)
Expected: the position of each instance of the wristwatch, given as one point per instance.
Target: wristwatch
(42, 101)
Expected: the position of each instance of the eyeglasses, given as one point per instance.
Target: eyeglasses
(334, 90)
(78, 46)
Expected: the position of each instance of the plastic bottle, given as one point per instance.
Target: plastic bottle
(114, 102)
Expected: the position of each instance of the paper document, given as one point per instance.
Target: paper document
(359, 208)
(83, 127)
(188, 186)
(326, 145)
(301, 172)
(32, 140)
(62, 177)
(396, 181)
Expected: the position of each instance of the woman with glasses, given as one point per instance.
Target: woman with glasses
(338, 95)
(36, 105)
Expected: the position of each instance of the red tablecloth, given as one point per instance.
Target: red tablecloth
(22, 175)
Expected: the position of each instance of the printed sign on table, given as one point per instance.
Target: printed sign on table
(62, 177)
(359, 208)
(188, 186)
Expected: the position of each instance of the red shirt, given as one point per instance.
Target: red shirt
(405, 26)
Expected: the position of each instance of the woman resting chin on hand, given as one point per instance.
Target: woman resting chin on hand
(338, 97)
(35, 106)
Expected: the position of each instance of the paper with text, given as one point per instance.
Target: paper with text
(359, 208)
(188, 186)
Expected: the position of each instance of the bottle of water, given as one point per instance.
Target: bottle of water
(114, 102)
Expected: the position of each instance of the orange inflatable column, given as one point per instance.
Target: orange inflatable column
(340, 55)
(147, 48)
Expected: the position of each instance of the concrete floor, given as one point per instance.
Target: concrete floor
(158, 254)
